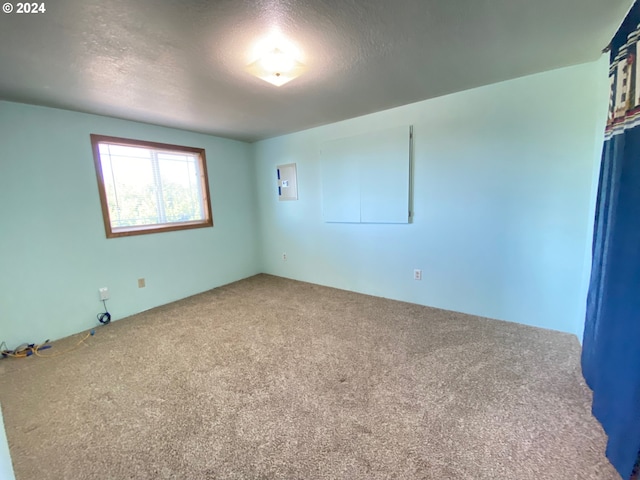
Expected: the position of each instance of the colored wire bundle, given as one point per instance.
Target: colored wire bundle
(22, 351)
(29, 349)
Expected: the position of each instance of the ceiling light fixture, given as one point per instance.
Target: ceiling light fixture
(276, 66)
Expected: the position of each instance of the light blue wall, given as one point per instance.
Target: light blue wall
(53, 251)
(503, 186)
(6, 468)
(505, 178)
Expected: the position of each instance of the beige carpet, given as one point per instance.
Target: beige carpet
(269, 378)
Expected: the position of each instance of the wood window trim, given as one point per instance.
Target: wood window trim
(96, 140)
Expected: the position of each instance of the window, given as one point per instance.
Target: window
(150, 187)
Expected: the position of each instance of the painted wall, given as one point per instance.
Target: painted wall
(53, 251)
(504, 182)
(503, 188)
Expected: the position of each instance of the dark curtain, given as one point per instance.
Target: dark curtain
(611, 347)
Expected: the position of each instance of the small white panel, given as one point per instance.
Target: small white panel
(287, 182)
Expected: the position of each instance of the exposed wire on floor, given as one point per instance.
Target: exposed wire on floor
(21, 351)
(104, 317)
(28, 349)
(38, 348)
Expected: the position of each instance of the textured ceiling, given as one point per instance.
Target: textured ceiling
(181, 63)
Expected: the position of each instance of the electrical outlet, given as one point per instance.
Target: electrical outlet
(284, 257)
(141, 283)
(104, 293)
(417, 274)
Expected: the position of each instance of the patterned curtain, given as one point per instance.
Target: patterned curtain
(611, 348)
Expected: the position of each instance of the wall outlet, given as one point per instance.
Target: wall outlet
(284, 257)
(417, 274)
(104, 293)
(141, 283)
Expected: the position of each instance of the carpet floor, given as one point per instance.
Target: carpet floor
(269, 378)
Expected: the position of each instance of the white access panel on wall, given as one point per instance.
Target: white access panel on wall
(287, 182)
(340, 182)
(365, 178)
